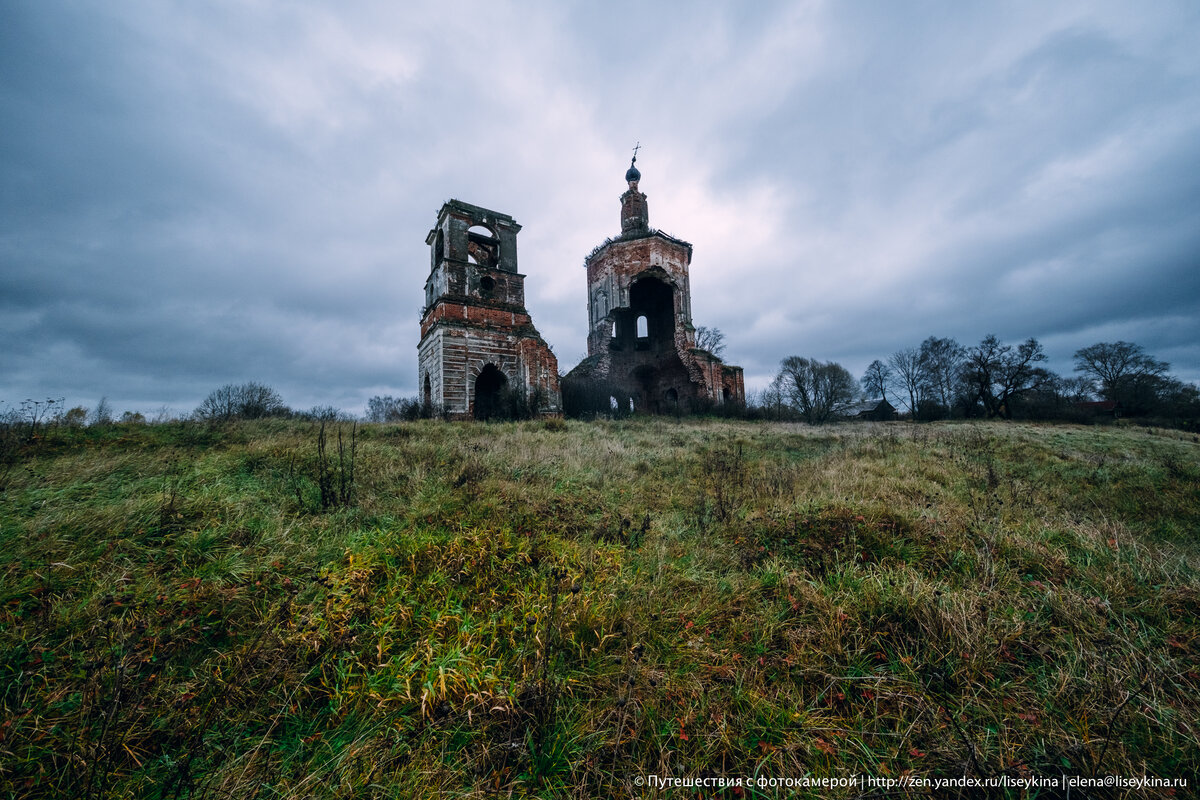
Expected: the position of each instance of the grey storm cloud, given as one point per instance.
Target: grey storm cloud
(193, 194)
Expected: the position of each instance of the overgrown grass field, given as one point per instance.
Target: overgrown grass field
(565, 609)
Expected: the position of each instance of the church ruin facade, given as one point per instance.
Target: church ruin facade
(479, 352)
(642, 352)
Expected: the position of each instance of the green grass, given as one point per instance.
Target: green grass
(553, 610)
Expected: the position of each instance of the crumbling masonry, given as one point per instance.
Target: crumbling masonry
(479, 351)
(641, 342)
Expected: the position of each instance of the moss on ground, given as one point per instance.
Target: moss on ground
(551, 609)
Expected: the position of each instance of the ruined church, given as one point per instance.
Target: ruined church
(479, 348)
(642, 349)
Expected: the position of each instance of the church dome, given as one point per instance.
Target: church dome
(632, 173)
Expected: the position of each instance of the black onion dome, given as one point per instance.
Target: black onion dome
(632, 173)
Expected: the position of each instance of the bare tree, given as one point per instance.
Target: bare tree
(244, 401)
(771, 400)
(908, 372)
(996, 373)
(102, 414)
(710, 339)
(1075, 390)
(1123, 372)
(385, 409)
(1180, 400)
(818, 390)
(397, 409)
(875, 380)
(941, 363)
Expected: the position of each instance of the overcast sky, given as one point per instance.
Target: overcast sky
(193, 194)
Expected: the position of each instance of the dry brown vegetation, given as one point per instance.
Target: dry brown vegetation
(556, 609)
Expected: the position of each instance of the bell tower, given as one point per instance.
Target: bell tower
(479, 348)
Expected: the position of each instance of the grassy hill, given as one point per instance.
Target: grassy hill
(557, 609)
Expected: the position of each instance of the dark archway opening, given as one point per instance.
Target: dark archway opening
(428, 391)
(645, 377)
(648, 322)
(652, 306)
(483, 248)
(489, 390)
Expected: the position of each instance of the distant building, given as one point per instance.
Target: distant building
(641, 341)
(479, 349)
(873, 410)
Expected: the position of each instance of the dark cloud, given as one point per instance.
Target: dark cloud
(192, 195)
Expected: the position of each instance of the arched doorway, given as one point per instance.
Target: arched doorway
(645, 377)
(489, 387)
(428, 392)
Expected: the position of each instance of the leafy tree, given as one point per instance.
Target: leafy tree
(710, 339)
(818, 390)
(875, 380)
(996, 373)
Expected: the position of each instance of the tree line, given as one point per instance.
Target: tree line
(938, 379)
(941, 379)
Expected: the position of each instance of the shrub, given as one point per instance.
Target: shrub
(399, 409)
(244, 401)
(102, 414)
(74, 417)
(325, 414)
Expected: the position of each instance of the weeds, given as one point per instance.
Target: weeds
(543, 610)
(332, 473)
(335, 479)
(719, 485)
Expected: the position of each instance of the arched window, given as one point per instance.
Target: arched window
(643, 327)
(483, 247)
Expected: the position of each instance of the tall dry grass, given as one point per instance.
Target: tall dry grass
(555, 609)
